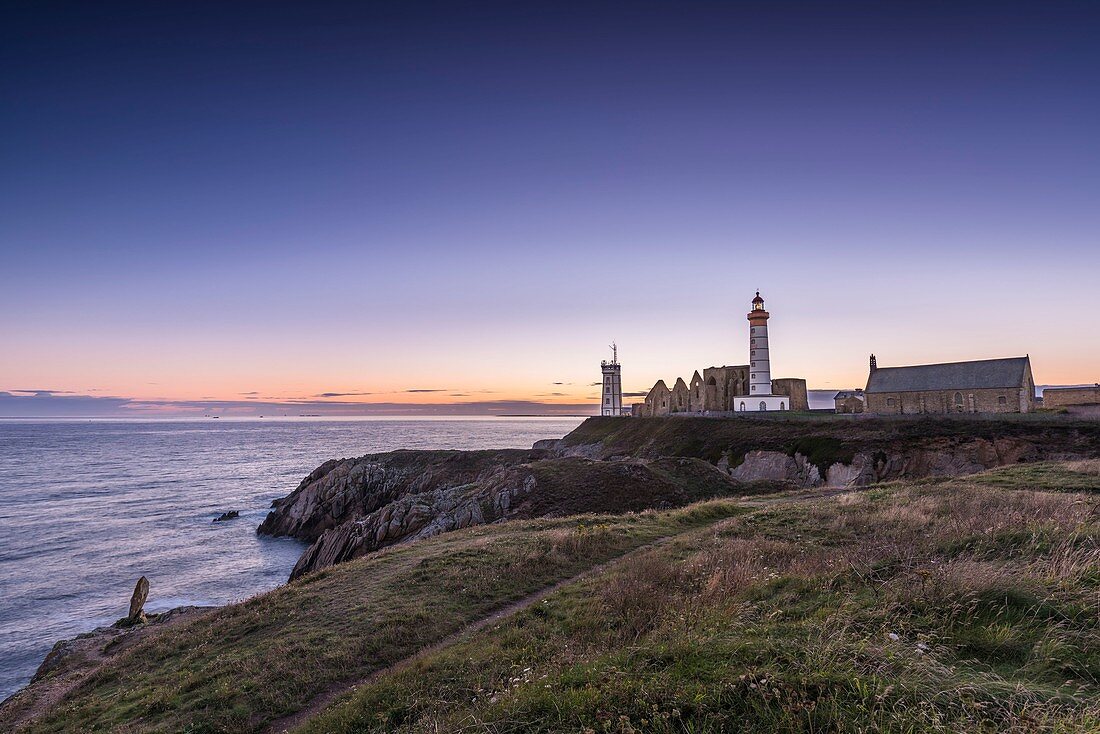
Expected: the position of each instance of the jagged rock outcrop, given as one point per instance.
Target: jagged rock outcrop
(343, 488)
(774, 465)
(355, 506)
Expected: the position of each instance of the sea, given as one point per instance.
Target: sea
(88, 507)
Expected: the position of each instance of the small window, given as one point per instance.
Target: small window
(1002, 400)
(782, 406)
(763, 407)
(742, 406)
(754, 386)
(889, 402)
(607, 401)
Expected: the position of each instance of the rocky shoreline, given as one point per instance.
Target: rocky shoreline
(71, 662)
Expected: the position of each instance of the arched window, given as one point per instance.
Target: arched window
(782, 406)
(959, 401)
(763, 406)
(742, 406)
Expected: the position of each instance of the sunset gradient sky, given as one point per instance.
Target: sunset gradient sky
(450, 203)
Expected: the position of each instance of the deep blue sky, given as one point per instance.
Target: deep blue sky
(213, 199)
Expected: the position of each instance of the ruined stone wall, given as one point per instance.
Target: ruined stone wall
(695, 392)
(1057, 397)
(680, 400)
(722, 384)
(658, 399)
(795, 389)
(985, 400)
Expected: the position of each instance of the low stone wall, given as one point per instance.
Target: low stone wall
(1057, 397)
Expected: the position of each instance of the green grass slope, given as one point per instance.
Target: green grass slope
(244, 665)
(828, 438)
(966, 605)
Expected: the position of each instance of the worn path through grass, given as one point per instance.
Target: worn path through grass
(336, 691)
(246, 665)
(325, 699)
(962, 605)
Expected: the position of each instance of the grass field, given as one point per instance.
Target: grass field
(968, 604)
(249, 663)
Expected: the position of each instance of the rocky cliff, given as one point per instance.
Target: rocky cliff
(350, 507)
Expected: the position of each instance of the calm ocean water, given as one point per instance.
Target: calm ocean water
(88, 507)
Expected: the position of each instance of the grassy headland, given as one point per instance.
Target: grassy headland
(246, 664)
(936, 604)
(827, 438)
(959, 605)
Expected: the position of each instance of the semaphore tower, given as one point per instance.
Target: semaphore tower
(611, 398)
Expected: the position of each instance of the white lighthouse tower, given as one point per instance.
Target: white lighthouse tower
(611, 397)
(760, 397)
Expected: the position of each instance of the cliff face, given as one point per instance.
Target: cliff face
(350, 507)
(354, 506)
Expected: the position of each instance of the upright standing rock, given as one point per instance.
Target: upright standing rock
(137, 601)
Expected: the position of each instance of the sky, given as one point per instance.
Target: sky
(433, 207)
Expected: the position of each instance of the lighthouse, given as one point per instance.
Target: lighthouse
(760, 370)
(760, 397)
(611, 397)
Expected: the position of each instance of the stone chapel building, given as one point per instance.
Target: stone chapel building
(983, 386)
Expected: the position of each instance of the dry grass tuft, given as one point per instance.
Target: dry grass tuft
(1087, 466)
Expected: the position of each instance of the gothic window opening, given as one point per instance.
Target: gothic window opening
(763, 406)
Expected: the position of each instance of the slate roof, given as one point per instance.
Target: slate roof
(986, 373)
(845, 394)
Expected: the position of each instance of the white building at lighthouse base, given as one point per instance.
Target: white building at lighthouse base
(761, 403)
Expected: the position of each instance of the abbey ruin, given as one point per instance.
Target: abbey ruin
(738, 389)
